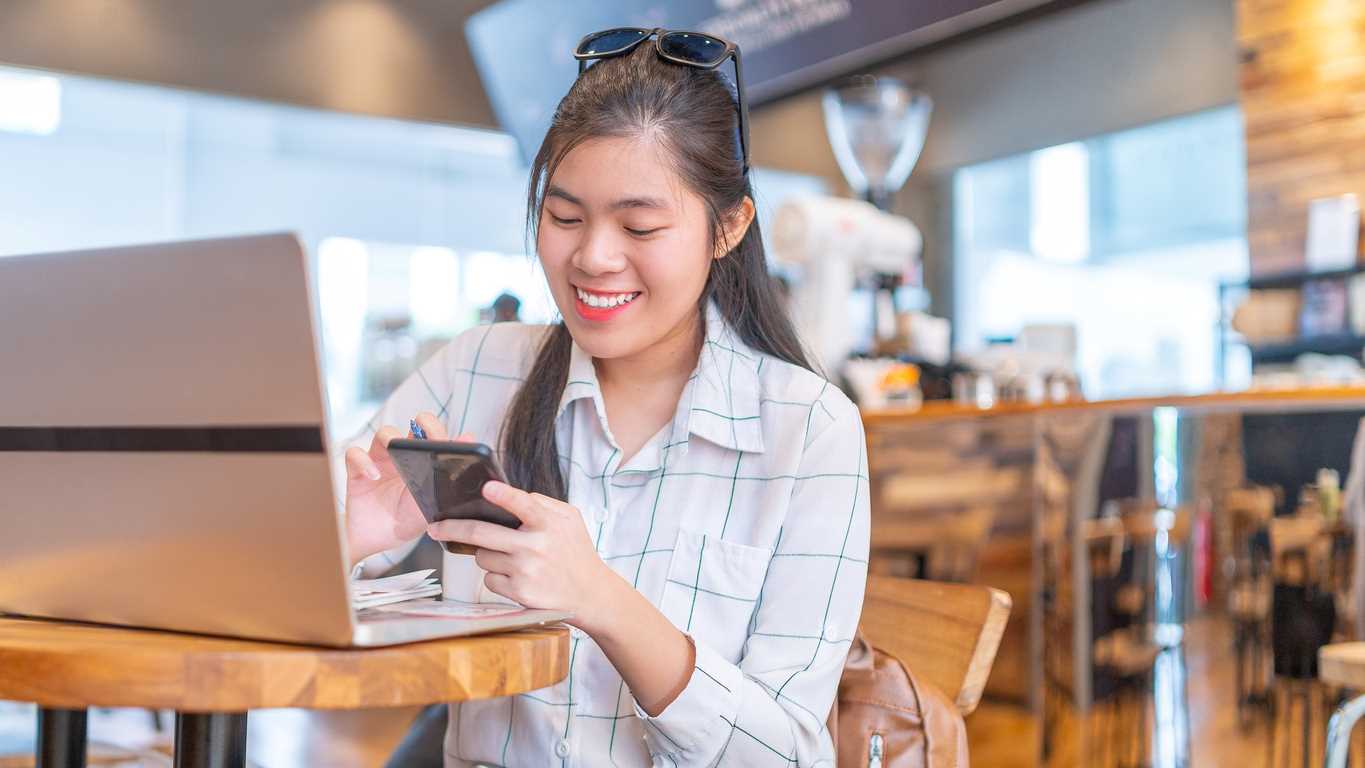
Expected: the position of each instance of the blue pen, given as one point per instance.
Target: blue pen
(416, 429)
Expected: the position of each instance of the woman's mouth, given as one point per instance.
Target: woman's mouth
(599, 306)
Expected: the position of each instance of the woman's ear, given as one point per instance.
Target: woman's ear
(735, 226)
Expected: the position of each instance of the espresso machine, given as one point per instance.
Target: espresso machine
(841, 245)
(876, 128)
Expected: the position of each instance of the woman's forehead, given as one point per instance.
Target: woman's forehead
(619, 173)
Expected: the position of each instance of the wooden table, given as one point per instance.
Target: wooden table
(211, 682)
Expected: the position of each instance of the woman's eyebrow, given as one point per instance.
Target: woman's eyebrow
(638, 202)
(559, 192)
(625, 202)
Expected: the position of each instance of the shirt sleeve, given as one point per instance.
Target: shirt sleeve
(770, 709)
(429, 388)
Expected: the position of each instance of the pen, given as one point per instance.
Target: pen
(416, 429)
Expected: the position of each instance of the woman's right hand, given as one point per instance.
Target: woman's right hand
(380, 511)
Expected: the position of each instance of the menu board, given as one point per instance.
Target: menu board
(524, 48)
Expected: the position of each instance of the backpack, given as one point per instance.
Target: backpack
(885, 717)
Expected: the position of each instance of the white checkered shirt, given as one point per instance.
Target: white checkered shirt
(745, 521)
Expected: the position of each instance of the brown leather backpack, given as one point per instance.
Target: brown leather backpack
(884, 717)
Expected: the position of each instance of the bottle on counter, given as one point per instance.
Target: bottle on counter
(1329, 494)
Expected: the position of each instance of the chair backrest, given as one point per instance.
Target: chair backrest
(1296, 548)
(1142, 523)
(1296, 532)
(947, 634)
(1249, 511)
(1104, 543)
(1252, 506)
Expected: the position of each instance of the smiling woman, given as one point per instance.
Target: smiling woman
(688, 488)
(628, 244)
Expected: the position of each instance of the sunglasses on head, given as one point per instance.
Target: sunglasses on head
(690, 49)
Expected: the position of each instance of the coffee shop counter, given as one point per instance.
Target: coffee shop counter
(965, 493)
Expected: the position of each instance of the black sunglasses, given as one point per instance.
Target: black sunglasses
(691, 49)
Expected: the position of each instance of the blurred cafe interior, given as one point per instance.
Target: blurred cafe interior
(1091, 270)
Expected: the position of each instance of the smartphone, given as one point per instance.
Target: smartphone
(446, 479)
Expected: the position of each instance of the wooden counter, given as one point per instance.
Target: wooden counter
(935, 468)
(945, 409)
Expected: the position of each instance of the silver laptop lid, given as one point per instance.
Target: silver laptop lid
(163, 441)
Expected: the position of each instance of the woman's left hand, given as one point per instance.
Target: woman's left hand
(549, 562)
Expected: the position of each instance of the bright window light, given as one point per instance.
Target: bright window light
(433, 283)
(486, 276)
(343, 295)
(1059, 196)
(30, 103)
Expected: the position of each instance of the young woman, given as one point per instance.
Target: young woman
(689, 489)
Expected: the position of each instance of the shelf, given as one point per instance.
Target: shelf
(1287, 351)
(1292, 279)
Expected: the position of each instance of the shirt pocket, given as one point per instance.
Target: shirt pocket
(713, 589)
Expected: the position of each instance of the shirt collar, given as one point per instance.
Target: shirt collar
(724, 407)
(581, 381)
(720, 402)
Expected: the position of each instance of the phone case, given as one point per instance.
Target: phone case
(446, 479)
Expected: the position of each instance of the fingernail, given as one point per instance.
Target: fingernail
(492, 488)
(374, 474)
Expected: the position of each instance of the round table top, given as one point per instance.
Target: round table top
(66, 665)
(1343, 664)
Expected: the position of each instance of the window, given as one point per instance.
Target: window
(1123, 236)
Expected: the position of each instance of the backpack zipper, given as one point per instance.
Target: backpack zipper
(874, 751)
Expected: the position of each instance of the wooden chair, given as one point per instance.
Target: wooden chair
(1104, 542)
(947, 634)
(1298, 553)
(1249, 512)
(1298, 560)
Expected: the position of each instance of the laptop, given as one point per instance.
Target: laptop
(164, 452)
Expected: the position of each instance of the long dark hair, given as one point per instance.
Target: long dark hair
(691, 113)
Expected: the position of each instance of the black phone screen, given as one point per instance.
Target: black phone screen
(446, 479)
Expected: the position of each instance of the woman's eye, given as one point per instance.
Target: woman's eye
(642, 232)
(563, 222)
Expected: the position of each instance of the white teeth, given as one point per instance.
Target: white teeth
(605, 301)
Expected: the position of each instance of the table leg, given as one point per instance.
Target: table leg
(214, 740)
(1339, 731)
(61, 738)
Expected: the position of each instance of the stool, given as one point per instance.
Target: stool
(1303, 618)
(1249, 511)
(1249, 609)
(1130, 661)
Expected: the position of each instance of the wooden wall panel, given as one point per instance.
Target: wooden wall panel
(1303, 98)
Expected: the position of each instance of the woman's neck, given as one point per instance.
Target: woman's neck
(641, 391)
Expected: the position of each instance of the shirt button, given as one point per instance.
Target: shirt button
(599, 514)
(830, 632)
(562, 749)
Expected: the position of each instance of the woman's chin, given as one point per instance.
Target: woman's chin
(605, 343)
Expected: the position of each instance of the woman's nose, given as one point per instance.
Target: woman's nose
(600, 253)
